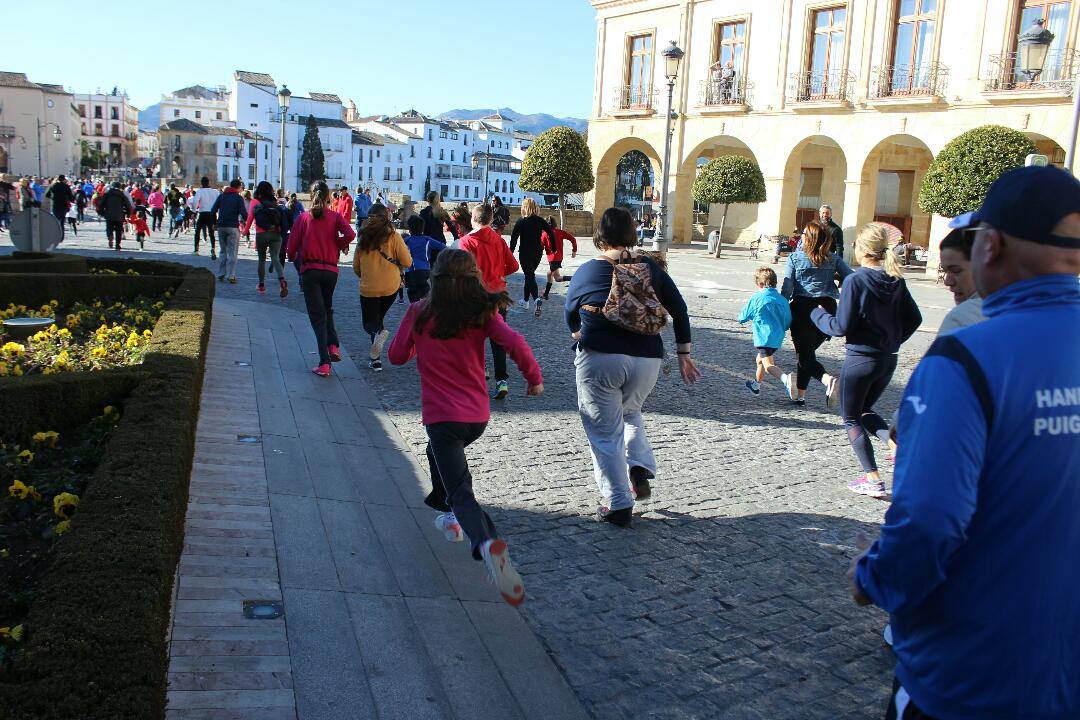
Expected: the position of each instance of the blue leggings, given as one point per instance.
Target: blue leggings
(863, 378)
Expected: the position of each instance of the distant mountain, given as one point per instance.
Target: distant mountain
(150, 118)
(535, 123)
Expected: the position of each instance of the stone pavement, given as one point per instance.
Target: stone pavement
(302, 492)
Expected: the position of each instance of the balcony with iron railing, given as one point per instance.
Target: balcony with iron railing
(720, 95)
(631, 100)
(815, 89)
(909, 84)
(1007, 78)
(453, 172)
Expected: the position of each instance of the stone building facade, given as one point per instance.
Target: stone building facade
(40, 132)
(111, 124)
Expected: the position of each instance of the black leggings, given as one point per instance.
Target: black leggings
(528, 266)
(806, 337)
(156, 214)
(863, 378)
(498, 355)
(318, 287)
(451, 481)
(373, 310)
(204, 225)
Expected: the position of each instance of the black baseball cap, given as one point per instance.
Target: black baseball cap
(1028, 203)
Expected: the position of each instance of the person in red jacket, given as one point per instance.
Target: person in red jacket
(316, 241)
(496, 262)
(137, 221)
(554, 249)
(344, 206)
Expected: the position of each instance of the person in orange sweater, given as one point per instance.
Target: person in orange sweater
(380, 260)
(496, 262)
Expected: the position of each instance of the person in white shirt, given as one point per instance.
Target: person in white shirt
(204, 199)
(956, 264)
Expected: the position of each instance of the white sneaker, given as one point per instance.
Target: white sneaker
(450, 527)
(832, 392)
(888, 635)
(377, 346)
(523, 304)
(502, 572)
(789, 385)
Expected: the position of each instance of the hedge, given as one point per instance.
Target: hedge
(31, 262)
(95, 646)
(36, 290)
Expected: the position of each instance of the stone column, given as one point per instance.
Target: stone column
(682, 209)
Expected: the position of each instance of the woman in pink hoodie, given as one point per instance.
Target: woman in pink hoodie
(446, 333)
(317, 239)
(156, 202)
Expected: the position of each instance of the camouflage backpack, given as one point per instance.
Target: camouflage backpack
(632, 303)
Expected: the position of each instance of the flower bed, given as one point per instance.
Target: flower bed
(45, 476)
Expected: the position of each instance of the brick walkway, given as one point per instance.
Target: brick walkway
(302, 492)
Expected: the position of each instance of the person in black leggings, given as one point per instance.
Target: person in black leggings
(876, 314)
(529, 230)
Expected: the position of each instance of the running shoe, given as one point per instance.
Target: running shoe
(221, 278)
(789, 385)
(501, 572)
(196, 251)
(832, 392)
(213, 255)
(450, 527)
(377, 344)
(523, 304)
(622, 517)
(334, 352)
(262, 288)
(284, 292)
(110, 244)
(753, 386)
(322, 371)
(502, 389)
(375, 365)
(539, 303)
(232, 280)
(887, 635)
(639, 480)
(865, 486)
(801, 402)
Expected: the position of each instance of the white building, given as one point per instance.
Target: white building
(199, 104)
(110, 123)
(148, 144)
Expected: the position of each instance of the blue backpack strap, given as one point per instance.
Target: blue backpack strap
(951, 348)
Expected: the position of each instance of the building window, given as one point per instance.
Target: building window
(442, 135)
(913, 46)
(1056, 15)
(511, 186)
(251, 172)
(115, 131)
(386, 173)
(826, 60)
(255, 105)
(727, 69)
(114, 113)
(224, 173)
(442, 154)
(399, 175)
(176, 113)
(412, 151)
(97, 111)
(198, 114)
(251, 150)
(378, 153)
(266, 152)
(451, 156)
(410, 172)
(429, 153)
(82, 111)
(639, 72)
(176, 142)
(217, 116)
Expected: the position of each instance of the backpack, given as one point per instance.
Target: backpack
(268, 217)
(632, 303)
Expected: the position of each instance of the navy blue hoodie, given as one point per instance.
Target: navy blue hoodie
(876, 313)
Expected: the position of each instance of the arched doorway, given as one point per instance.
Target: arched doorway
(1048, 147)
(606, 192)
(741, 224)
(635, 184)
(814, 175)
(891, 177)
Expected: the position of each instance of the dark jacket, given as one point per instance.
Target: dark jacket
(876, 313)
(62, 197)
(115, 206)
(229, 209)
(501, 217)
(837, 238)
(433, 226)
(530, 231)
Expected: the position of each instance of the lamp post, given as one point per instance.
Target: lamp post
(284, 96)
(57, 136)
(1034, 44)
(673, 55)
(487, 164)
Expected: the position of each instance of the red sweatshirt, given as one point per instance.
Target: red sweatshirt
(452, 384)
(318, 243)
(345, 207)
(492, 256)
(555, 250)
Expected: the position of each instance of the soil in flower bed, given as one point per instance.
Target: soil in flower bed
(93, 335)
(42, 480)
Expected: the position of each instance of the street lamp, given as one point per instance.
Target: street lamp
(673, 56)
(487, 164)
(284, 96)
(1034, 44)
(57, 136)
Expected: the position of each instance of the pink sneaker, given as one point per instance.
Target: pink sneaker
(322, 371)
(865, 486)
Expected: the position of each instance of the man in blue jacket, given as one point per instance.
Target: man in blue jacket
(229, 211)
(978, 562)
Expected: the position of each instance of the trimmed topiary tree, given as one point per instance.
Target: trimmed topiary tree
(558, 162)
(729, 179)
(312, 159)
(958, 178)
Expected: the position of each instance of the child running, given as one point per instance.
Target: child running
(446, 334)
(424, 250)
(73, 219)
(553, 246)
(137, 221)
(771, 316)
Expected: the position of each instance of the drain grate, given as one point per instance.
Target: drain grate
(250, 439)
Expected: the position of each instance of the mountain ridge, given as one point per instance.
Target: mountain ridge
(534, 123)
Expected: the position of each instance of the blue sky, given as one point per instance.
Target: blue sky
(387, 55)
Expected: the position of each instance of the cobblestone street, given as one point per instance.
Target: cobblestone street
(728, 597)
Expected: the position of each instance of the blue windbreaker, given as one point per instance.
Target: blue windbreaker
(771, 315)
(978, 561)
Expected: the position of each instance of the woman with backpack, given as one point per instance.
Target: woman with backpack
(876, 314)
(380, 261)
(270, 223)
(618, 355)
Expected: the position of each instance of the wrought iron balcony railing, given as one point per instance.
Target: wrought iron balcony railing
(928, 80)
(1006, 72)
(725, 92)
(635, 97)
(821, 86)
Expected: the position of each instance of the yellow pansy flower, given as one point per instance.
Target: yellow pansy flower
(26, 457)
(64, 503)
(46, 438)
(15, 634)
(62, 527)
(13, 349)
(17, 372)
(18, 489)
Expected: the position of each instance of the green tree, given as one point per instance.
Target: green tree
(92, 158)
(958, 178)
(558, 162)
(312, 160)
(729, 179)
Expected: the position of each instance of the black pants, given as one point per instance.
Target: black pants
(373, 310)
(82, 213)
(807, 338)
(528, 266)
(451, 481)
(909, 711)
(863, 378)
(205, 223)
(417, 285)
(498, 355)
(318, 287)
(61, 217)
(156, 216)
(114, 230)
(74, 226)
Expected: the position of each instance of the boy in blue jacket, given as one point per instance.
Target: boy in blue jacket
(771, 315)
(423, 250)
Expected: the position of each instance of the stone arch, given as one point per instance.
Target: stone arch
(605, 170)
(741, 225)
(815, 173)
(889, 182)
(1049, 147)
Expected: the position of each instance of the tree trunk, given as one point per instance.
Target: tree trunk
(562, 203)
(720, 235)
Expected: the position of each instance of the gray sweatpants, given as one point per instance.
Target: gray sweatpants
(228, 247)
(611, 390)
